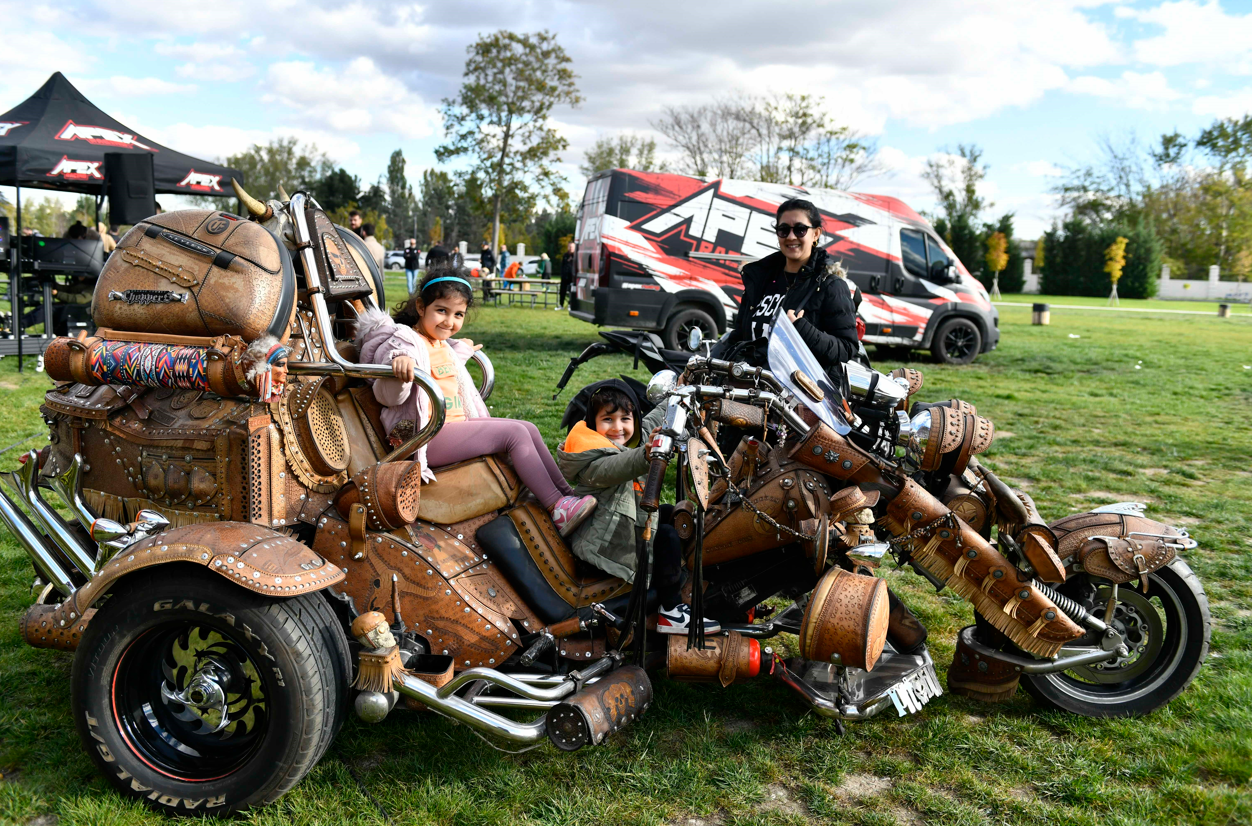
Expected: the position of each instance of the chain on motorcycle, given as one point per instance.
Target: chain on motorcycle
(898, 543)
(769, 520)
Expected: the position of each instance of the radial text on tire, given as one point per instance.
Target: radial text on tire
(174, 647)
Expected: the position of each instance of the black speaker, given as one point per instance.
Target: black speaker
(129, 184)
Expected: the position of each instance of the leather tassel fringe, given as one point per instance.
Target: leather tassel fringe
(377, 670)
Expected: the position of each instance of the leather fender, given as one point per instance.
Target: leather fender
(252, 557)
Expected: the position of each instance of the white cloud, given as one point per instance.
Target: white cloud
(1195, 32)
(360, 98)
(35, 52)
(1149, 91)
(1038, 169)
(217, 142)
(213, 61)
(1234, 105)
(121, 86)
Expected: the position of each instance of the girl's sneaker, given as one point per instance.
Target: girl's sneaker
(570, 512)
(677, 620)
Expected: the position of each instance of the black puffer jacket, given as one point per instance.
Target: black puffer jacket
(829, 323)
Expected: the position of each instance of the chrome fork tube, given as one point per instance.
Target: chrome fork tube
(35, 543)
(50, 521)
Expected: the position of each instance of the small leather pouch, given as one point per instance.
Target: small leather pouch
(1122, 559)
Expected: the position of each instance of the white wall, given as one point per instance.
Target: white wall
(1210, 289)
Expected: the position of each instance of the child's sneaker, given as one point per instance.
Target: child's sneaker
(677, 620)
(570, 512)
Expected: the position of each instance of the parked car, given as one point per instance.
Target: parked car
(662, 252)
(394, 260)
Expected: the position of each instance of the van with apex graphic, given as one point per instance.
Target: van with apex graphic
(662, 252)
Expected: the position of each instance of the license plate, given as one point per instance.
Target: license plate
(915, 690)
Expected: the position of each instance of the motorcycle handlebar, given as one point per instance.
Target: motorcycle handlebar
(652, 488)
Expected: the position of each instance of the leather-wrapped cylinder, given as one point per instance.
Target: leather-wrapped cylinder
(390, 493)
(737, 414)
(914, 379)
(219, 366)
(846, 620)
(43, 626)
(591, 715)
(724, 659)
(824, 449)
(197, 272)
(969, 565)
(955, 434)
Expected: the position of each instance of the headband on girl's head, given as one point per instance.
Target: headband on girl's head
(447, 278)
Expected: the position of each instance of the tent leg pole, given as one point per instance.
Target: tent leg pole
(15, 300)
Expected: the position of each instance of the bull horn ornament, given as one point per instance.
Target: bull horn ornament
(282, 194)
(258, 209)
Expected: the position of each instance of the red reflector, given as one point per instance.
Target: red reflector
(634, 313)
(754, 657)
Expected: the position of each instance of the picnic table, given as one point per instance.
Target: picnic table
(521, 290)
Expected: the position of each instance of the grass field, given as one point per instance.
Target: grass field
(1096, 408)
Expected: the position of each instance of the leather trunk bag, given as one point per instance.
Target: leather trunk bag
(200, 273)
(847, 617)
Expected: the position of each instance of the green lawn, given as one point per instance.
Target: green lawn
(1096, 408)
(1128, 303)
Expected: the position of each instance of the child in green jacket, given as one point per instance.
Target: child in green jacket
(603, 456)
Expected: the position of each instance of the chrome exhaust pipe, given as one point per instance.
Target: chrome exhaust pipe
(35, 543)
(530, 691)
(50, 521)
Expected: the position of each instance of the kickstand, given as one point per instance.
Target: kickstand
(839, 729)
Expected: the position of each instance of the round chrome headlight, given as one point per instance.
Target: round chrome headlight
(661, 385)
(919, 439)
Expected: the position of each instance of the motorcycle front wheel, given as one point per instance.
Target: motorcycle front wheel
(1167, 630)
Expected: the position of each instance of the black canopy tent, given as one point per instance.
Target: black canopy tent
(57, 139)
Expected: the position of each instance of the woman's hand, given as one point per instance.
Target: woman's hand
(793, 316)
(402, 367)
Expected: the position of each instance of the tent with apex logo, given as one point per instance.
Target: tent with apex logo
(57, 139)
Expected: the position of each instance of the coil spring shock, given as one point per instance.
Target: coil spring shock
(1075, 611)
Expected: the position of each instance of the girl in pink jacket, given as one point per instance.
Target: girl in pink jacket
(420, 338)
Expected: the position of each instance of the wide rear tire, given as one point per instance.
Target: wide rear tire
(1168, 629)
(281, 666)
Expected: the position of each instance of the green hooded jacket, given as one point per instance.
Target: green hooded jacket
(596, 466)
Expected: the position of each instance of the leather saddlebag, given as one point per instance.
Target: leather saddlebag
(846, 620)
(200, 273)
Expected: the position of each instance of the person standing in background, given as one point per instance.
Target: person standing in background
(371, 243)
(568, 262)
(486, 259)
(354, 222)
(412, 263)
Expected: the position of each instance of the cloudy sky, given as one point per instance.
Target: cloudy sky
(1033, 83)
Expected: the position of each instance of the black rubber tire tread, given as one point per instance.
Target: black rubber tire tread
(1047, 695)
(940, 352)
(303, 628)
(681, 314)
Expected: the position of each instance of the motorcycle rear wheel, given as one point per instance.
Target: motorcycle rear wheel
(1168, 630)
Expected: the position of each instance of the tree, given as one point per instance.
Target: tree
(336, 190)
(339, 215)
(1039, 254)
(500, 116)
(1114, 261)
(955, 179)
(435, 235)
(997, 259)
(401, 203)
(281, 162)
(626, 151)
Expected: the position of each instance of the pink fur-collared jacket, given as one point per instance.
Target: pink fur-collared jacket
(379, 340)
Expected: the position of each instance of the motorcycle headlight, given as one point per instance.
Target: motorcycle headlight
(920, 438)
(661, 385)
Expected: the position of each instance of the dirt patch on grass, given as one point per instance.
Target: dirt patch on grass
(739, 725)
(857, 786)
(1097, 494)
(778, 798)
(715, 819)
(1154, 471)
(905, 816)
(1023, 793)
(44, 820)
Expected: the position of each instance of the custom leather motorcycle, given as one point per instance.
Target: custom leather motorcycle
(246, 550)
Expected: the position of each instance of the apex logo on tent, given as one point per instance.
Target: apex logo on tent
(8, 126)
(201, 181)
(100, 136)
(76, 170)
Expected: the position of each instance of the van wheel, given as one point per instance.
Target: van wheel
(199, 697)
(957, 342)
(682, 322)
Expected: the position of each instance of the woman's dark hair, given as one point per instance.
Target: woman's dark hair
(608, 400)
(815, 217)
(406, 311)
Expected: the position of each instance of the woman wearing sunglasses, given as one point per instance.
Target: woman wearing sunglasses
(806, 283)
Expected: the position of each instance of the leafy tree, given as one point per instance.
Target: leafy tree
(337, 189)
(435, 234)
(1040, 254)
(1114, 262)
(555, 234)
(955, 179)
(282, 161)
(401, 203)
(997, 259)
(625, 151)
(500, 116)
(339, 216)
(1076, 259)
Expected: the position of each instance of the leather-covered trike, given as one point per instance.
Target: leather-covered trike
(246, 556)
